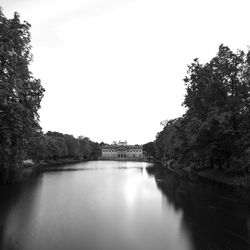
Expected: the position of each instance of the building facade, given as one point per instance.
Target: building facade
(120, 150)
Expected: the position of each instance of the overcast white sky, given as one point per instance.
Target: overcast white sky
(113, 69)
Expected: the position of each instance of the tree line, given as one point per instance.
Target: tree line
(214, 132)
(54, 146)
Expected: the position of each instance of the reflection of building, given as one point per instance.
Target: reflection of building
(120, 150)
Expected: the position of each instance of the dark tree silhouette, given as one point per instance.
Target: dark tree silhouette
(20, 96)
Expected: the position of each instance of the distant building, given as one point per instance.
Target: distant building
(121, 150)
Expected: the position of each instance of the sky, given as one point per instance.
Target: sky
(114, 69)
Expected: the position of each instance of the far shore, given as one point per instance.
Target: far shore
(31, 168)
(213, 176)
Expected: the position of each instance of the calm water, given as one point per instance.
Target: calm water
(120, 205)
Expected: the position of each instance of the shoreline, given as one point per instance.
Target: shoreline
(36, 168)
(136, 159)
(212, 176)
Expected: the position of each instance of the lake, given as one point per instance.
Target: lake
(117, 205)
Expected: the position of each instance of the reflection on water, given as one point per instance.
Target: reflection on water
(118, 205)
(214, 217)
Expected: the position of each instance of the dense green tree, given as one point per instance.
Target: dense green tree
(72, 145)
(215, 130)
(218, 97)
(168, 143)
(20, 96)
(96, 151)
(85, 147)
(89, 150)
(149, 149)
(38, 148)
(55, 146)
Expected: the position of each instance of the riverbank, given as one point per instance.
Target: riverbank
(221, 177)
(211, 175)
(30, 170)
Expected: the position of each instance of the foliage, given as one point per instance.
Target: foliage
(168, 142)
(149, 149)
(215, 130)
(54, 146)
(20, 96)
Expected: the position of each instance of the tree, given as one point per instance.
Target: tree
(96, 151)
(72, 145)
(20, 96)
(149, 149)
(168, 143)
(217, 124)
(215, 130)
(38, 148)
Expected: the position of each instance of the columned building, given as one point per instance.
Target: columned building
(121, 150)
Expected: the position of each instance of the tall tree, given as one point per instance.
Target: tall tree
(20, 96)
(215, 130)
(217, 102)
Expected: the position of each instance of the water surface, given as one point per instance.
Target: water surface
(119, 205)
